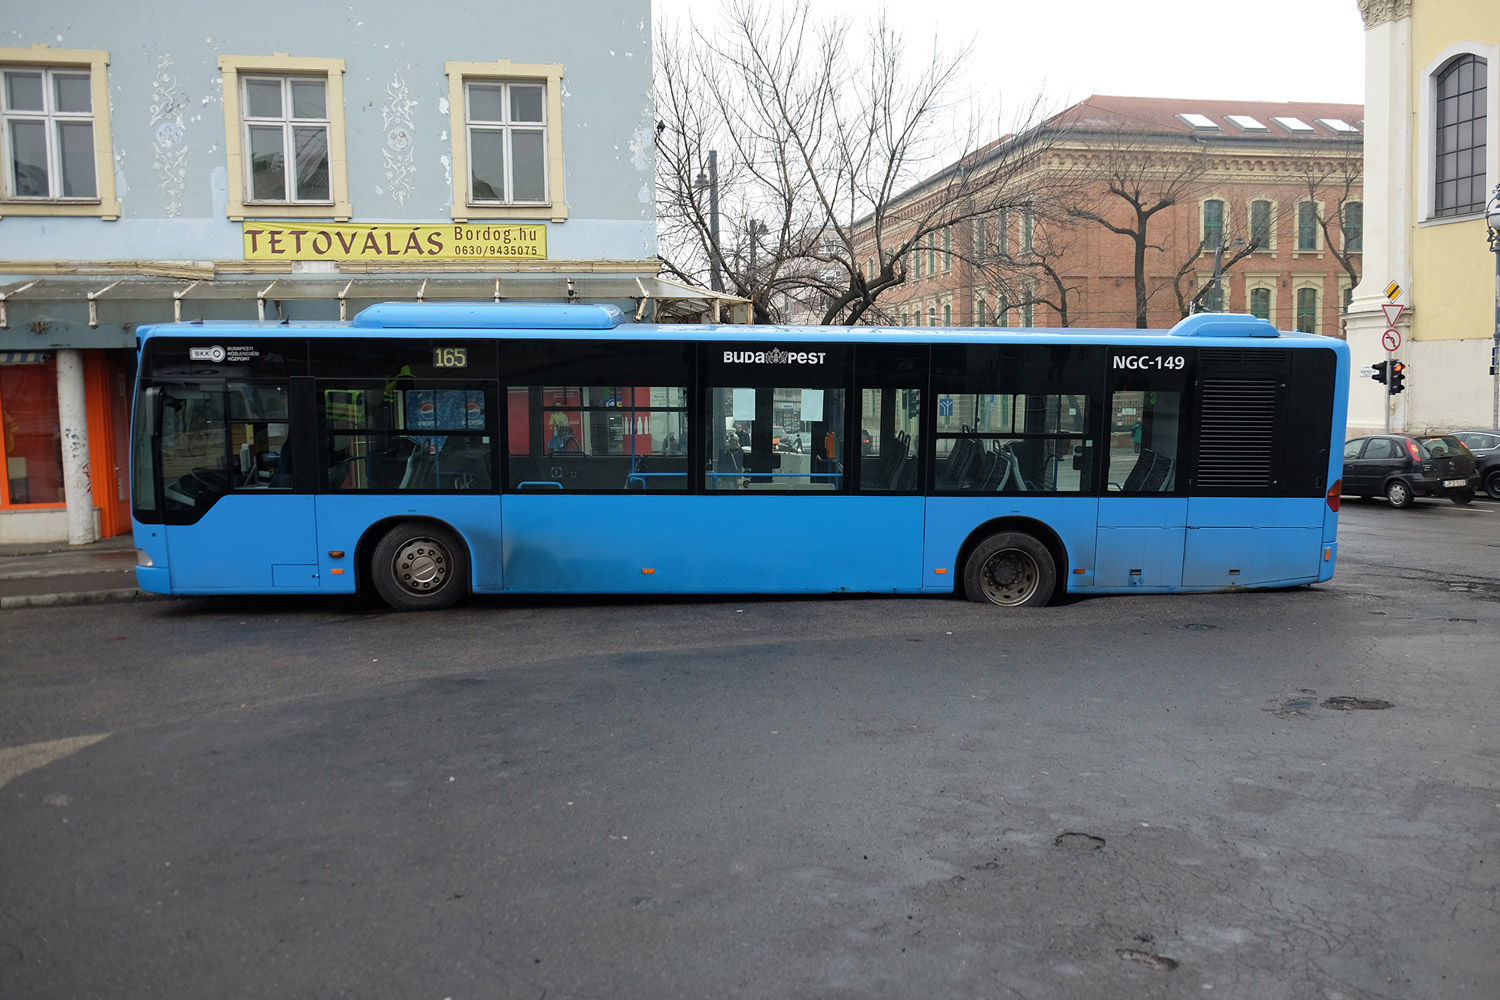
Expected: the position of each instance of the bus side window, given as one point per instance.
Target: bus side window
(1143, 440)
(258, 432)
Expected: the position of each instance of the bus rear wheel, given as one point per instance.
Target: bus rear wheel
(420, 567)
(1011, 569)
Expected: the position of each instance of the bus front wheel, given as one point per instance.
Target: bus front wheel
(420, 567)
(1011, 569)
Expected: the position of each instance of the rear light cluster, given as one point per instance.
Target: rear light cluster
(1335, 492)
(1416, 452)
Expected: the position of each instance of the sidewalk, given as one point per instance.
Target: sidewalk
(54, 574)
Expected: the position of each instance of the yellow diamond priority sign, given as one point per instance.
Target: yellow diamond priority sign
(1393, 291)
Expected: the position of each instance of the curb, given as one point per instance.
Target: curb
(67, 600)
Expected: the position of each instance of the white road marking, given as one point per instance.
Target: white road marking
(16, 761)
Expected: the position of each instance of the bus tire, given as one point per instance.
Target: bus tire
(419, 566)
(1010, 569)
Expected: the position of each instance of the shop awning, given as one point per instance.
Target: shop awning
(655, 299)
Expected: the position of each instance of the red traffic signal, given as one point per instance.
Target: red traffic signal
(1398, 377)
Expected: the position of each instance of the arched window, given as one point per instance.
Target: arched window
(1307, 310)
(1354, 226)
(1260, 224)
(1458, 183)
(1260, 303)
(1213, 223)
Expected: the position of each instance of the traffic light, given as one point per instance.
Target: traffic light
(1398, 377)
(1379, 375)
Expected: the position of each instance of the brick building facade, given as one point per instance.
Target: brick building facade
(1271, 190)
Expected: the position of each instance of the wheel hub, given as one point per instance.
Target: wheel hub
(1010, 577)
(421, 566)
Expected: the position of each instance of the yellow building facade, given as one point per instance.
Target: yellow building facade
(1432, 163)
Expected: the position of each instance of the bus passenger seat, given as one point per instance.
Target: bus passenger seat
(1143, 463)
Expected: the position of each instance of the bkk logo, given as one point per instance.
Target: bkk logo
(214, 354)
(776, 356)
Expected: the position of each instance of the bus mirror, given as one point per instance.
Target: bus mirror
(151, 400)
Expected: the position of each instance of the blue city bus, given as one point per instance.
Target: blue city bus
(427, 451)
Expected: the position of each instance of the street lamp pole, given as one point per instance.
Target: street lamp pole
(1492, 217)
(711, 182)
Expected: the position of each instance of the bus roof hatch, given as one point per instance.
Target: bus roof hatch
(1224, 325)
(489, 316)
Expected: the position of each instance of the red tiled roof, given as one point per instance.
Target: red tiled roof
(1102, 112)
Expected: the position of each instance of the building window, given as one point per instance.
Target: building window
(932, 253)
(1260, 303)
(1260, 224)
(932, 315)
(284, 137)
(947, 315)
(1002, 312)
(1461, 96)
(1213, 223)
(55, 133)
(507, 132)
(1028, 228)
(1307, 310)
(28, 432)
(1003, 236)
(1307, 226)
(981, 238)
(1028, 315)
(917, 262)
(507, 140)
(947, 248)
(1354, 227)
(980, 319)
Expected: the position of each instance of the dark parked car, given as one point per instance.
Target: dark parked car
(1402, 468)
(1486, 448)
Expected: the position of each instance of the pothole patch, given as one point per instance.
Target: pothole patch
(1078, 841)
(1347, 703)
(1149, 958)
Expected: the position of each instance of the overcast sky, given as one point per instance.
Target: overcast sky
(1264, 50)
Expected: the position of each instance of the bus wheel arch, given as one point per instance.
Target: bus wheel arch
(1016, 544)
(413, 563)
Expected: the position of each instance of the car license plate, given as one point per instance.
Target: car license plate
(1455, 482)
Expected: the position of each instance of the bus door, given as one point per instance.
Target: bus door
(1143, 508)
(232, 521)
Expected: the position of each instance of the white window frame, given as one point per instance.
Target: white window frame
(83, 62)
(504, 72)
(287, 123)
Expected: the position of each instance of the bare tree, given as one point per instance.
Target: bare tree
(1235, 240)
(1134, 181)
(822, 144)
(1036, 260)
(1334, 180)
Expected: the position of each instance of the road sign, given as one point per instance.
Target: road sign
(1392, 313)
(1390, 340)
(1393, 291)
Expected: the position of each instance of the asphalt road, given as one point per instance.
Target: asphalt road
(842, 797)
